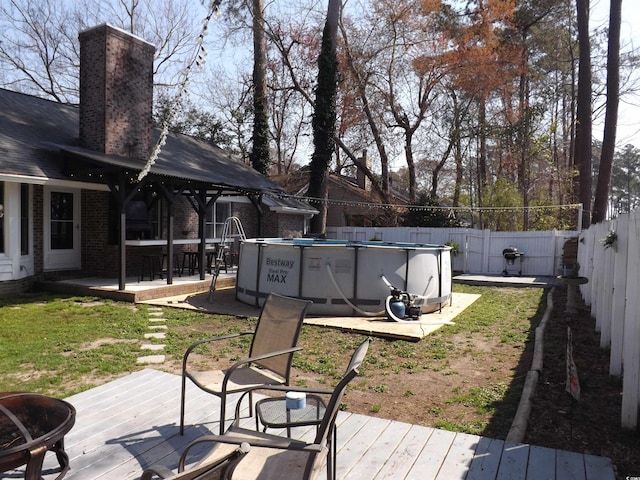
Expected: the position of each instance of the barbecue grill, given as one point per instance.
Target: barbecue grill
(511, 255)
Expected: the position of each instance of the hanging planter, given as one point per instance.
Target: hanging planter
(609, 240)
(454, 247)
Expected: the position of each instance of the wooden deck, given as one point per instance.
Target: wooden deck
(130, 423)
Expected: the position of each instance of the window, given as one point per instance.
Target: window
(216, 216)
(24, 219)
(1, 217)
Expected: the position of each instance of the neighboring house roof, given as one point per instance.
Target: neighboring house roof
(297, 183)
(37, 134)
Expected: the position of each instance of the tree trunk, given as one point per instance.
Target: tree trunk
(482, 156)
(411, 165)
(611, 115)
(583, 117)
(324, 117)
(260, 153)
(525, 127)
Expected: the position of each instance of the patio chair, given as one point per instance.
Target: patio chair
(206, 469)
(277, 457)
(269, 359)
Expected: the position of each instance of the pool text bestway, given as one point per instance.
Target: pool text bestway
(280, 262)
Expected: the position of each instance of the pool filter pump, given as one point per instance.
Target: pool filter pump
(401, 306)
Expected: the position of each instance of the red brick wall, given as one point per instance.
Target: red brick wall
(38, 233)
(99, 258)
(274, 225)
(13, 287)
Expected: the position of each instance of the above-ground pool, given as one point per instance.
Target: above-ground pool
(343, 278)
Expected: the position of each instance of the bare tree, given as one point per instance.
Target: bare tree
(38, 47)
(39, 40)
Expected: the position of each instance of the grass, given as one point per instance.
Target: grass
(62, 345)
(48, 344)
(483, 399)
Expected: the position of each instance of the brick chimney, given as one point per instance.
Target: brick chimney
(116, 92)
(361, 179)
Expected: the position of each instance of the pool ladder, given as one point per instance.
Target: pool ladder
(229, 224)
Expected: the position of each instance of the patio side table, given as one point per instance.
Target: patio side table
(272, 412)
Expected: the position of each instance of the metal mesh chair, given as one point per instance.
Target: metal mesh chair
(210, 467)
(276, 457)
(269, 359)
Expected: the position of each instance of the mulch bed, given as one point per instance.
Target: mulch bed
(592, 424)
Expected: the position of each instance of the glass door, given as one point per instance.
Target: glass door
(62, 229)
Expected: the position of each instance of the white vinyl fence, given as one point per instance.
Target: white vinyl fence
(480, 251)
(613, 291)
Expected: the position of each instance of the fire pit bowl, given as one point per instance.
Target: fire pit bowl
(30, 425)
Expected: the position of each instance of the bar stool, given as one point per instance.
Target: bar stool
(190, 259)
(153, 265)
(164, 258)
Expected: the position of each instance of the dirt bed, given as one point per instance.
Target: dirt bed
(591, 425)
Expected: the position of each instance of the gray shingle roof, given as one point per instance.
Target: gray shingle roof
(26, 124)
(37, 134)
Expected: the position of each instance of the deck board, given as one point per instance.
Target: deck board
(486, 460)
(401, 460)
(542, 463)
(378, 454)
(128, 424)
(513, 462)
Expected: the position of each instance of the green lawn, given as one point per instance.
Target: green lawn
(60, 345)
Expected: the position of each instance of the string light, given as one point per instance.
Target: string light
(199, 60)
(388, 206)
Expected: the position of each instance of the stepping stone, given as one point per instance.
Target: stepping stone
(152, 346)
(157, 319)
(157, 327)
(159, 335)
(151, 359)
(156, 314)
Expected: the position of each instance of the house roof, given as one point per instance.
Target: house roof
(38, 137)
(297, 183)
(26, 123)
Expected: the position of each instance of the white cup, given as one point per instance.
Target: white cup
(296, 400)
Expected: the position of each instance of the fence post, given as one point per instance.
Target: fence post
(631, 346)
(618, 300)
(606, 294)
(486, 243)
